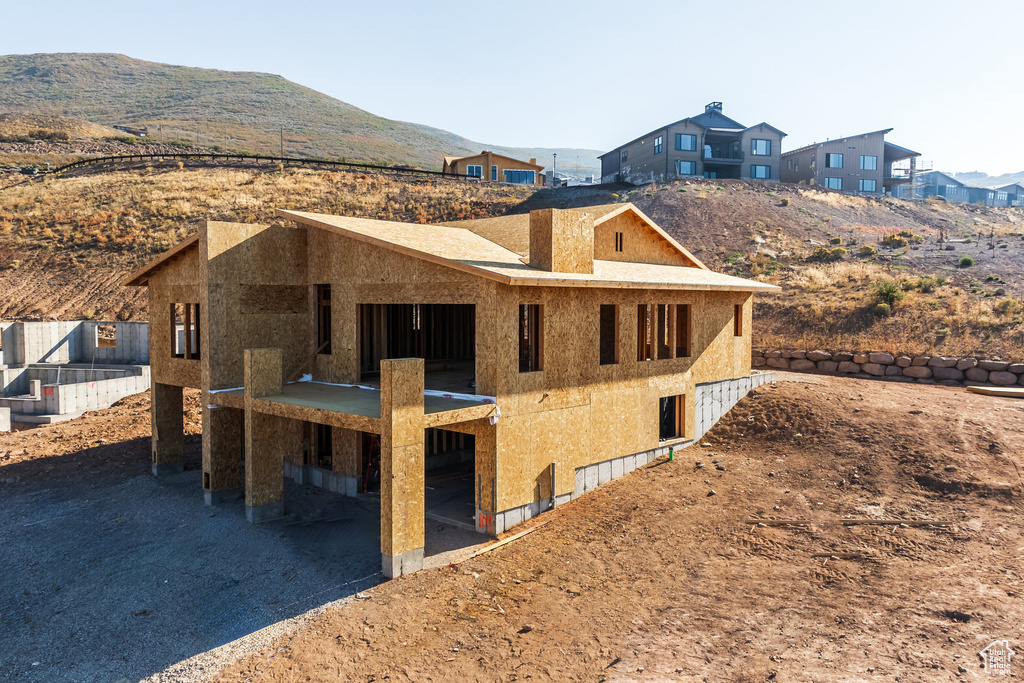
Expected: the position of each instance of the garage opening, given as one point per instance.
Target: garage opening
(450, 484)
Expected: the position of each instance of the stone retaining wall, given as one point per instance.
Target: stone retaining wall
(880, 365)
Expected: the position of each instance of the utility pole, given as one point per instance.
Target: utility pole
(554, 167)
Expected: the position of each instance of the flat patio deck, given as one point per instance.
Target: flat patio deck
(354, 407)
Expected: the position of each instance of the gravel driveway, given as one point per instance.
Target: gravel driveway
(110, 576)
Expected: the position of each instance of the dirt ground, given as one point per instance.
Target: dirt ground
(659, 576)
(654, 578)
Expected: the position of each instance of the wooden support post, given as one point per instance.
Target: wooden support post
(485, 465)
(168, 416)
(223, 448)
(402, 505)
(265, 438)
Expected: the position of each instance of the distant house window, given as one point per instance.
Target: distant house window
(185, 338)
(833, 160)
(609, 334)
(618, 241)
(796, 167)
(834, 183)
(950, 189)
(761, 148)
(686, 142)
(625, 154)
(868, 162)
(520, 177)
(670, 418)
(760, 172)
(494, 173)
(531, 337)
(686, 168)
(991, 195)
(737, 320)
(789, 163)
(1001, 196)
(867, 185)
(475, 171)
(658, 144)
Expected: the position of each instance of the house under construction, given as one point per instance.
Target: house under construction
(559, 349)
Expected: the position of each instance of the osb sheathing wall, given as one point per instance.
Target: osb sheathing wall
(256, 297)
(576, 411)
(639, 243)
(562, 241)
(178, 281)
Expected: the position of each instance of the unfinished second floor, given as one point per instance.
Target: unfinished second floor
(553, 304)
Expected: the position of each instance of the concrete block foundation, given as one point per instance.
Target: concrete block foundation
(408, 562)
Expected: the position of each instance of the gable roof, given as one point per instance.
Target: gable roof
(142, 275)
(513, 231)
(452, 160)
(466, 251)
(828, 142)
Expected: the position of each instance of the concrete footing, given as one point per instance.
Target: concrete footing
(257, 514)
(163, 469)
(324, 479)
(408, 562)
(5, 419)
(221, 497)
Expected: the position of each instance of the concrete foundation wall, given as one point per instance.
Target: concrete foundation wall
(713, 401)
(72, 341)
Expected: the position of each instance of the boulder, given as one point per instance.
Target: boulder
(860, 358)
(828, 365)
(780, 363)
(758, 362)
(941, 362)
(966, 363)
(920, 360)
(773, 354)
(893, 371)
(847, 366)
(793, 354)
(917, 372)
(903, 361)
(950, 382)
(977, 375)
(993, 365)
(881, 358)
(947, 373)
(1017, 368)
(802, 365)
(876, 369)
(818, 356)
(927, 381)
(840, 357)
(1002, 378)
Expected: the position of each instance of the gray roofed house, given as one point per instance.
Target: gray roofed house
(709, 145)
(858, 163)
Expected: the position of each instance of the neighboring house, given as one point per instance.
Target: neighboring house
(859, 163)
(496, 168)
(1014, 194)
(710, 145)
(554, 350)
(938, 184)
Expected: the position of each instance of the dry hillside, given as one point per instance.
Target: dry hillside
(65, 243)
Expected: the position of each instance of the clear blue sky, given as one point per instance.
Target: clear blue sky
(947, 76)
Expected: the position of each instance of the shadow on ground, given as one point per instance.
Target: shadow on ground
(107, 573)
